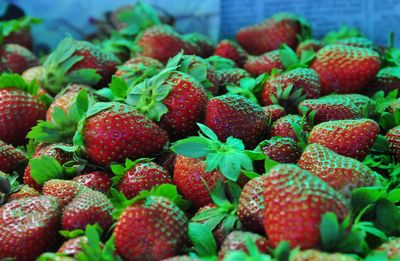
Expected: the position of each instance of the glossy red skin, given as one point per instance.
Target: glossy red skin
(22, 37)
(29, 227)
(295, 201)
(19, 112)
(283, 126)
(46, 150)
(87, 207)
(310, 44)
(251, 206)
(72, 246)
(393, 138)
(269, 35)
(351, 138)
(186, 103)
(121, 132)
(386, 80)
(15, 58)
(9, 157)
(274, 112)
(63, 190)
(151, 229)
(97, 180)
(345, 69)
(236, 116)
(189, 174)
(143, 176)
(264, 63)
(231, 50)
(281, 149)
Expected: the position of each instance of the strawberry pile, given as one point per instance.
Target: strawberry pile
(146, 144)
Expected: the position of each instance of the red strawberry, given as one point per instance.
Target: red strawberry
(292, 197)
(316, 255)
(28, 227)
(153, 228)
(231, 76)
(138, 67)
(310, 44)
(189, 174)
(231, 50)
(17, 31)
(342, 173)
(9, 157)
(63, 190)
(72, 246)
(97, 180)
(264, 63)
(281, 149)
(251, 206)
(269, 35)
(284, 126)
(345, 69)
(387, 79)
(351, 138)
(202, 42)
(21, 37)
(19, 109)
(391, 248)
(24, 192)
(16, 58)
(236, 116)
(167, 161)
(274, 112)
(393, 138)
(358, 42)
(115, 131)
(87, 207)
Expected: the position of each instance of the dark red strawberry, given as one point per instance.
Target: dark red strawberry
(9, 157)
(115, 131)
(351, 138)
(393, 138)
(310, 44)
(264, 63)
(284, 126)
(87, 208)
(16, 59)
(202, 42)
(281, 149)
(17, 31)
(270, 34)
(72, 246)
(345, 69)
(387, 79)
(342, 173)
(63, 190)
(21, 37)
(28, 227)
(138, 68)
(97, 180)
(167, 161)
(236, 116)
(274, 112)
(231, 50)
(292, 197)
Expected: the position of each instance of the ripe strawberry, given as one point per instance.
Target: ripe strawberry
(391, 248)
(167, 161)
(161, 42)
(16, 58)
(189, 174)
(17, 31)
(236, 240)
(351, 138)
(342, 173)
(284, 126)
(19, 108)
(153, 228)
(139, 176)
(231, 76)
(274, 112)
(236, 116)
(309, 44)
(63, 190)
(24, 192)
(345, 69)
(137, 68)
(387, 79)
(271, 33)
(293, 196)
(281, 149)
(72, 246)
(96, 180)
(202, 42)
(358, 42)
(251, 205)
(115, 131)
(264, 63)
(393, 138)
(22, 37)
(9, 157)
(28, 227)
(316, 255)
(87, 207)
(231, 50)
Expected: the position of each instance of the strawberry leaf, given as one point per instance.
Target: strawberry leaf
(329, 229)
(388, 216)
(72, 234)
(13, 80)
(202, 239)
(86, 76)
(118, 87)
(44, 169)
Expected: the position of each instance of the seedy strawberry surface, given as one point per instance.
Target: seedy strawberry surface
(63, 190)
(284, 126)
(393, 138)
(358, 42)
(231, 76)
(21, 37)
(138, 66)
(97, 180)
(310, 44)
(313, 254)
(16, 58)
(9, 157)
(387, 79)
(281, 149)
(274, 112)
(72, 246)
(24, 192)
(264, 63)
(231, 50)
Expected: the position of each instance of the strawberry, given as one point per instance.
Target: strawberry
(274, 112)
(63, 190)
(139, 175)
(9, 157)
(281, 149)
(345, 69)
(17, 31)
(137, 68)
(19, 108)
(293, 196)
(231, 76)
(34, 73)
(202, 42)
(28, 227)
(153, 228)
(393, 138)
(96, 180)
(387, 79)
(16, 59)
(87, 207)
(115, 131)
(316, 255)
(284, 126)
(358, 42)
(264, 63)
(309, 44)
(391, 248)
(24, 192)
(72, 246)
(344, 174)
(175, 99)
(351, 138)
(167, 161)
(271, 33)
(236, 116)
(251, 205)
(231, 50)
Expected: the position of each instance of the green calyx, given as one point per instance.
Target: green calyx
(14, 80)
(249, 87)
(221, 63)
(252, 254)
(203, 240)
(287, 94)
(386, 120)
(291, 61)
(342, 33)
(229, 158)
(16, 25)
(119, 170)
(8, 184)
